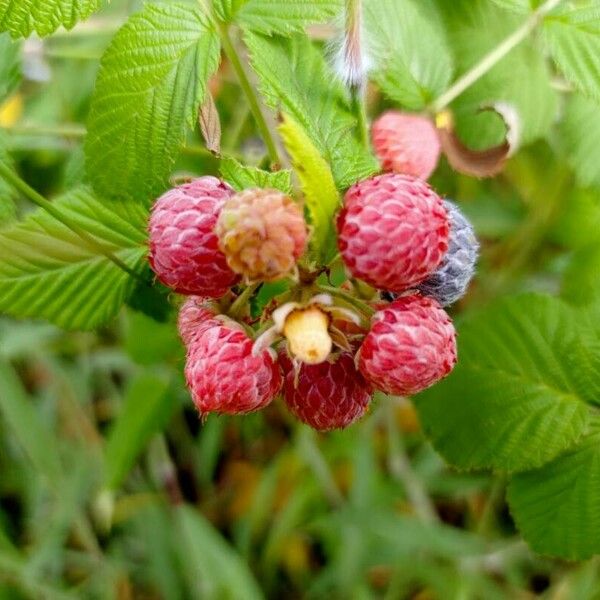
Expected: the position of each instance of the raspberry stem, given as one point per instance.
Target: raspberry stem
(20, 185)
(364, 309)
(235, 310)
(489, 61)
(246, 86)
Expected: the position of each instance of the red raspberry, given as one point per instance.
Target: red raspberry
(225, 377)
(393, 231)
(184, 249)
(195, 316)
(330, 395)
(406, 144)
(411, 346)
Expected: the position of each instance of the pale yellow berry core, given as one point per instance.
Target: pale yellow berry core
(307, 334)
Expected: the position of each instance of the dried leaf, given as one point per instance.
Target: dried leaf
(210, 125)
(479, 163)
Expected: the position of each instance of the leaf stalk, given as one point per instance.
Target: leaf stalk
(489, 61)
(20, 185)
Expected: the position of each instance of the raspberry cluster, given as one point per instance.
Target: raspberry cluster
(408, 253)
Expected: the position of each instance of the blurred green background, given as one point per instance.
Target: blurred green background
(110, 486)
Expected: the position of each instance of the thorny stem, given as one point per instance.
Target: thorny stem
(489, 61)
(12, 178)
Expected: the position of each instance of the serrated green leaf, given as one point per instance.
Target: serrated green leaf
(145, 405)
(49, 272)
(22, 17)
(241, 177)
(521, 80)
(573, 38)
(294, 78)
(557, 507)
(412, 59)
(320, 194)
(580, 128)
(10, 68)
(151, 84)
(518, 395)
(286, 16)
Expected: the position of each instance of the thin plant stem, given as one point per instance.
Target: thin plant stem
(250, 94)
(310, 451)
(495, 496)
(13, 179)
(359, 305)
(489, 61)
(400, 467)
(353, 65)
(67, 130)
(360, 111)
(240, 302)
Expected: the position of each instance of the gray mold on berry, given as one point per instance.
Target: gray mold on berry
(449, 283)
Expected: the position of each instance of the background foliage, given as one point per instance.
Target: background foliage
(110, 485)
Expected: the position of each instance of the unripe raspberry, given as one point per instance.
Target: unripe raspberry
(330, 395)
(195, 315)
(225, 377)
(411, 346)
(262, 233)
(307, 335)
(449, 283)
(184, 250)
(406, 143)
(393, 231)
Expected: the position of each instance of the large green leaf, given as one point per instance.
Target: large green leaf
(573, 37)
(580, 128)
(152, 81)
(320, 194)
(10, 68)
(285, 16)
(412, 60)
(520, 83)
(49, 272)
(518, 395)
(22, 17)
(241, 177)
(557, 507)
(295, 78)
(144, 409)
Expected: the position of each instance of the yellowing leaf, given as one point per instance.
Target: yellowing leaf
(321, 195)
